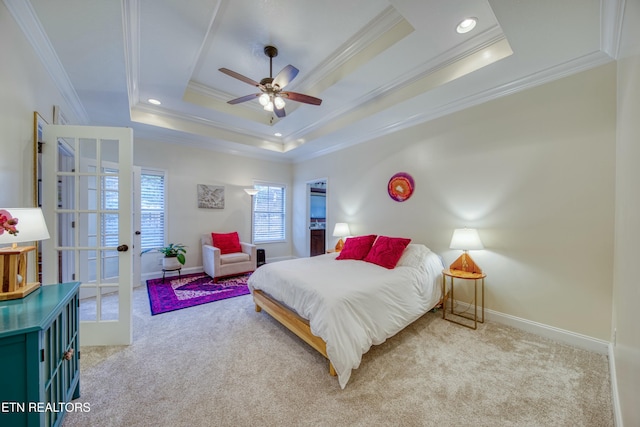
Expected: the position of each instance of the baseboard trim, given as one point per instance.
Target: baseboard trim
(615, 398)
(561, 335)
(158, 274)
(191, 270)
(280, 258)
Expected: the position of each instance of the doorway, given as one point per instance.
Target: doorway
(317, 215)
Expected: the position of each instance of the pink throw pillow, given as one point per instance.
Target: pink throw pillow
(357, 247)
(227, 242)
(386, 251)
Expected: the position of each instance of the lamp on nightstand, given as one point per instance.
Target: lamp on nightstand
(18, 225)
(341, 230)
(465, 239)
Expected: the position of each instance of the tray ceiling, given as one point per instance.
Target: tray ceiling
(378, 65)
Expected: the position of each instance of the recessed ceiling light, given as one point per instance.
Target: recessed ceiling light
(278, 134)
(154, 101)
(467, 25)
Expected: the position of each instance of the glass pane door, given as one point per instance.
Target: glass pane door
(87, 176)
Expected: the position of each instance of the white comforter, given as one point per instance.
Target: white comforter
(354, 304)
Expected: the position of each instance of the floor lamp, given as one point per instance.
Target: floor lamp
(252, 192)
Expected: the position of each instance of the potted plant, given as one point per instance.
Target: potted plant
(173, 256)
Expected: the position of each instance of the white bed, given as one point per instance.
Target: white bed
(350, 305)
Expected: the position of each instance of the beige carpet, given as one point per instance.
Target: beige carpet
(223, 364)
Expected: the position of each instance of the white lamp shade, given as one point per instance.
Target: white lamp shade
(251, 191)
(466, 239)
(29, 228)
(341, 230)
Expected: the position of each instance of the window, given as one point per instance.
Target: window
(269, 213)
(152, 209)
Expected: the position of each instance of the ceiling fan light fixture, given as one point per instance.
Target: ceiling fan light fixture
(271, 97)
(279, 102)
(466, 25)
(263, 99)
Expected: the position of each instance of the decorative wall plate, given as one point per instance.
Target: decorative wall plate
(400, 186)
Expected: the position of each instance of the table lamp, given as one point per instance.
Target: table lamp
(341, 230)
(18, 225)
(465, 239)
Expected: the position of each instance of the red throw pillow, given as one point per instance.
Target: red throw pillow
(357, 247)
(227, 242)
(386, 251)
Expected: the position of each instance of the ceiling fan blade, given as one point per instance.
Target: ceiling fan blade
(239, 77)
(244, 98)
(285, 76)
(300, 97)
(280, 112)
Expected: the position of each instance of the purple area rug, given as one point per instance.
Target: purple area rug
(192, 289)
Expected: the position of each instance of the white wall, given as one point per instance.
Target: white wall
(626, 290)
(187, 167)
(534, 172)
(25, 87)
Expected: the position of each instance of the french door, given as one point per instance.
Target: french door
(87, 201)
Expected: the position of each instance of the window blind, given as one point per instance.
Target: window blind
(152, 209)
(109, 222)
(269, 213)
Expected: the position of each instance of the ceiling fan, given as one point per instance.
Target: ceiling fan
(272, 96)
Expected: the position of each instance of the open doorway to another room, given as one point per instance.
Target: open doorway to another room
(317, 215)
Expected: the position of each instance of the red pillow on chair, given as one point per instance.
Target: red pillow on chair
(357, 247)
(227, 242)
(386, 251)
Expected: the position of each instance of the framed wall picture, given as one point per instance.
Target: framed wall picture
(210, 196)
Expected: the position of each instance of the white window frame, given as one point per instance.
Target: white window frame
(158, 244)
(256, 240)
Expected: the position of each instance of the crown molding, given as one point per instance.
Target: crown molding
(583, 63)
(611, 17)
(158, 116)
(131, 35)
(369, 35)
(28, 21)
(490, 37)
(206, 143)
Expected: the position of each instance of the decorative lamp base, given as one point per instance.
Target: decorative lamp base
(339, 245)
(466, 264)
(13, 273)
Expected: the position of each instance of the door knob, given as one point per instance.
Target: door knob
(122, 248)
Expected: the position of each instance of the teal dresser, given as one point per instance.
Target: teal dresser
(39, 351)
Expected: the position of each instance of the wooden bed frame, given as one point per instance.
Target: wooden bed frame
(299, 325)
(291, 321)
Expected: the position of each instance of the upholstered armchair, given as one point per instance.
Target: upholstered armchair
(225, 259)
